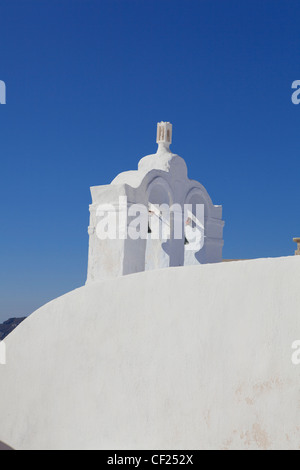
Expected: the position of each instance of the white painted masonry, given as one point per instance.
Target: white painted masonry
(188, 357)
(179, 358)
(161, 178)
(2, 353)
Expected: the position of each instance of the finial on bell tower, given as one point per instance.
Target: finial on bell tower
(164, 135)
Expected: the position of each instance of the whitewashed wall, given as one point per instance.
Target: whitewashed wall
(183, 358)
(160, 178)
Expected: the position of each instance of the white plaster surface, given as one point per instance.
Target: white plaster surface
(181, 358)
(161, 178)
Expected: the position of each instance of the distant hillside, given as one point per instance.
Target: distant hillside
(8, 326)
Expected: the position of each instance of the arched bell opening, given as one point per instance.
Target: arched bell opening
(158, 252)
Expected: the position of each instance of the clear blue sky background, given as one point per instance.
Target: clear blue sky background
(87, 80)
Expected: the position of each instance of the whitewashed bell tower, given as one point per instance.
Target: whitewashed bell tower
(161, 179)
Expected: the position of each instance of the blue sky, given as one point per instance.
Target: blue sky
(87, 80)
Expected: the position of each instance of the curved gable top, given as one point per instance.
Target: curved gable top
(173, 168)
(161, 161)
